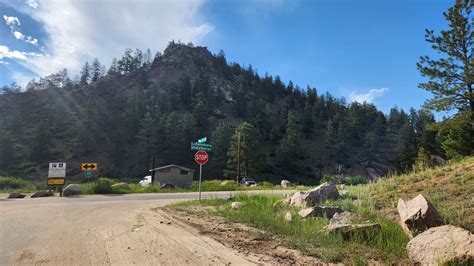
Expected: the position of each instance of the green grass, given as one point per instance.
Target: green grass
(307, 235)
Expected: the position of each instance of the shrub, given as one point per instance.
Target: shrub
(13, 183)
(104, 186)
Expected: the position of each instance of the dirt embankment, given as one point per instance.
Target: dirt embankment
(248, 241)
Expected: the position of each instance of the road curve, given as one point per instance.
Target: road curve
(108, 229)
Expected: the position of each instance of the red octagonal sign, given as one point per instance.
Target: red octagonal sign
(201, 157)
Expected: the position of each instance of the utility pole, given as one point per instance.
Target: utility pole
(238, 159)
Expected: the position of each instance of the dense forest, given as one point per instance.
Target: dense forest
(148, 106)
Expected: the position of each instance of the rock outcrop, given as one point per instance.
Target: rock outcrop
(72, 189)
(314, 196)
(441, 244)
(417, 215)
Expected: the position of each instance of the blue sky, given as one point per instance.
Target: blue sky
(360, 50)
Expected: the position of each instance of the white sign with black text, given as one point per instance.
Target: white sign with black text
(57, 170)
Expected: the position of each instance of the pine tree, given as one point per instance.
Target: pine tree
(220, 140)
(308, 120)
(422, 160)
(114, 68)
(41, 143)
(451, 76)
(289, 151)
(96, 70)
(200, 116)
(85, 74)
(331, 138)
(147, 138)
(7, 151)
(252, 159)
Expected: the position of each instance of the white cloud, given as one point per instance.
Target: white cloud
(5, 52)
(368, 97)
(14, 22)
(4, 62)
(20, 36)
(11, 21)
(82, 30)
(32, 3)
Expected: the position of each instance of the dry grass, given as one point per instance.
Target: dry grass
(450, 188)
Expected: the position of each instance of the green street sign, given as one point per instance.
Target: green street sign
(89, 173)
(195, 146)
(202, 140)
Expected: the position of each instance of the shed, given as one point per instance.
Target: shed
(177, 175)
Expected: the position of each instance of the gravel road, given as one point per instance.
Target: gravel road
(112, 229)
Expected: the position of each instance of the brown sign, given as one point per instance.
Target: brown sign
(56, 181)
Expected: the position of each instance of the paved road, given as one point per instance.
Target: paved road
(101, 229)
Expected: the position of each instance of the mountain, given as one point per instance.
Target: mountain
(143, 108)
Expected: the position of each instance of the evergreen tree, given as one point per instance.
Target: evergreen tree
(41, 143)
(114, 68)
(422, 160)
(147, 138)
(96, 70)
(7, 151)
(289, 151)
(451, 76)
(220, 140)
(85, 74)
(406, 147)
(252, 159)
(331, 139)
(308, 120)
(200, 116)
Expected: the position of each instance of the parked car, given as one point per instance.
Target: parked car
(248, 181)
(146, 181)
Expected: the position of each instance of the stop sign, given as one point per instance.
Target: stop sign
(201, 157)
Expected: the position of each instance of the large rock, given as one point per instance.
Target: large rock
(285, 183)
(343, 218)
(349, 231)
(320, 211)
(417, 215)
(314, 196)
(16, 195)
(72, 189)
(441, 244)
(121, 185)
(41, 194)
(236, 205)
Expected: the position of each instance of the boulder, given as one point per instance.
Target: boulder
(288, 217)
(41, 194)
(318, 211)
(442, 244)
(417, 215)
(343, 218)
(16, 195)
(236, 205)
(72, 189)
(121, 185)
(349, 231)
(285, 183)
(314, 196)
(167, 186)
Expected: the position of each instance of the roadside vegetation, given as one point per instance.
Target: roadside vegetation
(9, 184)
(449, 188)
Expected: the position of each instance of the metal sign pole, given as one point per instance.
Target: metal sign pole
(200, 179)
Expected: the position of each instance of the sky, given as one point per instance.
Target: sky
(364, 50)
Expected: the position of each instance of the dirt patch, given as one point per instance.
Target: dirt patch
(246, 240)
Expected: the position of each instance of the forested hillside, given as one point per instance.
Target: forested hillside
(144, 106)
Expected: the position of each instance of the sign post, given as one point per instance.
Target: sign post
(57, 176)
(201, 157)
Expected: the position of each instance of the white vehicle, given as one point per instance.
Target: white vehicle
(146, 181)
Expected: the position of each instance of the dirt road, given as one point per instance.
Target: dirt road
(98, 230)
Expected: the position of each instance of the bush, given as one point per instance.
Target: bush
(326, 178)
(104, 186)
(13, 183)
